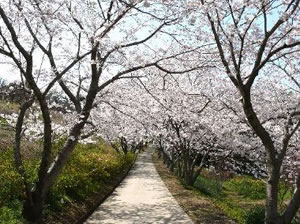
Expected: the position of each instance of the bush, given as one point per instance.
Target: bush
(11, 187)
(208, 186)
(12, 213)
(256, 215)
(129, 158)
(247, 186)
(88, 169)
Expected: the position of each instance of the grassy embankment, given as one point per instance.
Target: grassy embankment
(213, 198)
(89, 176)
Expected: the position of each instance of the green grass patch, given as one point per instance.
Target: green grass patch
(231, 209)
(247, 187)
(241, 198)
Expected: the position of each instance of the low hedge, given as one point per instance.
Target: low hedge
(88, 169)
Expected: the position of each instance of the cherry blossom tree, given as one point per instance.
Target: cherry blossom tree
(119, 117)
(171, 113)
(81, 47)
(250, 36)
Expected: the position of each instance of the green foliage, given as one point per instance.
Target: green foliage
(247, 186)
(11, 187)
(256, 215)
(3, 121)
(31, 167)
(209, 186)
(231, 209)
(296, 220)
(89, 168)
(285, 192)
(129, 158)
(12, 213)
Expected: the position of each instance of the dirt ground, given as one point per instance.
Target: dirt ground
(200, 209)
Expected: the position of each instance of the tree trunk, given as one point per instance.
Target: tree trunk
(171, 167)
(188, 179)
(273, 164)
(272, 189)
(196, 174)
(33, 207)
(179, 169)
(188, 173)
(185, 165)
(293, 205)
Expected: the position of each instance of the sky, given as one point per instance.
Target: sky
(7, 74)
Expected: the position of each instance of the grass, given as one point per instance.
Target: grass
(246, 186)
(240, 198)
(226, 199)
(91, 170)
(195, 203)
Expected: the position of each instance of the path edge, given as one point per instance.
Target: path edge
(84, 217)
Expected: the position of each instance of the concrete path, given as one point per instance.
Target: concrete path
(141, 198)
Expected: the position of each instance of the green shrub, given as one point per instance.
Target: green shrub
(129, 158)
(285, 192)
(210, 187)
(11, 190)
(247, 186)
(11, 213)
(89, 167)
(11, 187)
(256, 215)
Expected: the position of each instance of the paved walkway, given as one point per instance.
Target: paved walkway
(141, 198)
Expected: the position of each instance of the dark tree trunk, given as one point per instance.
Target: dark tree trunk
(272, 189)
(273, 164)
(274, 157)
(172, 167)
(179, 168)
(189, 180)
(33, 207)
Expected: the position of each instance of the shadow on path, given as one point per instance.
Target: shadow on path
(141, 198)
